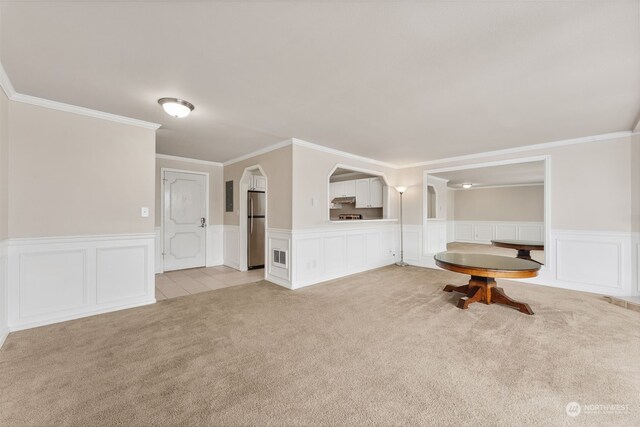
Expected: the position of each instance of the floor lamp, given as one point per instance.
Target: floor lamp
(401, 189)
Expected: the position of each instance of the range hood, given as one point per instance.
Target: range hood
(341, 200)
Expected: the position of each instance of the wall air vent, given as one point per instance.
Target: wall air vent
(280, 258)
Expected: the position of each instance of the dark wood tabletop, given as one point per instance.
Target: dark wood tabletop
(529, 245)
(485, 265)
(484, 269)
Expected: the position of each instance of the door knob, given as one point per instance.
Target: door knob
(203, 222)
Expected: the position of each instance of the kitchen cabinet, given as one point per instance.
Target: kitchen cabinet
(369, 193)
(342, 189)
(258, 183)
(375, 192)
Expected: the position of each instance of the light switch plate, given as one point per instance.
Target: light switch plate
(144, 212)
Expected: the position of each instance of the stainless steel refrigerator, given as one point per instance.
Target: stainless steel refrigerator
(256, 208)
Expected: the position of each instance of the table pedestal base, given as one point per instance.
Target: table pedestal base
(484, 289)
(526, 254)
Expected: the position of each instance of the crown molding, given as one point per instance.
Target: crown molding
(437, 178)
(187, 160)
(5, 83)
(525, 148)
(273, 147)
(11, 93)
(68, 108)
(311, 145)
(482, 187)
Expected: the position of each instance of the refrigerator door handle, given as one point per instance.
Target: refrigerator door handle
(251, 228)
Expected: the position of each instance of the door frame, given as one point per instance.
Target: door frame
(243, 189)
(206, 210)
(549, 262)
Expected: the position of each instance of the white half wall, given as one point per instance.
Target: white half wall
(606, 263)
(215, 245)
(636, 270)
(602, 262)
(62, 278)
(231, 246)
(591, 261)
(323, 254)
(159, 264)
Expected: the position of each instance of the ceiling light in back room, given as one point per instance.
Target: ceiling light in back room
(176, 107)
(466, 185)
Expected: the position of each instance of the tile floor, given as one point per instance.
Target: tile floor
(178, 283)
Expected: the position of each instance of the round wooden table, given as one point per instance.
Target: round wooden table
(484, 269)
(524, 247)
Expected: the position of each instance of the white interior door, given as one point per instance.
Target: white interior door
(185, 206)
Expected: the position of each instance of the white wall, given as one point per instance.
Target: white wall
(277, 166)
(578, 172)
(635, 183)
(4, 166)
(591, 244)
(4, 213)
(322, 250)
(635, 205)
(310, 183)
(77, 243)
(297, 191)
(440, 187)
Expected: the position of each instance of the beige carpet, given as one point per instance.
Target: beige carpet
(384, 347)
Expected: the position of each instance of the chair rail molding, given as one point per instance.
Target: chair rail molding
(54, 279)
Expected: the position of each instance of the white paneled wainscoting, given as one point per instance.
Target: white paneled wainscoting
(316, 255)
(603, 262)
(214, 247)
(231, 246)
(55, 279)
(592, 261)
(485, 231)
(4, 303)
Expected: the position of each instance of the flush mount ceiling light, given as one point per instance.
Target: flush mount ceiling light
(176, 107)
(466, 185)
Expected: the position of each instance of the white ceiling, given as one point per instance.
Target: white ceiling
(511, 174)
(396, 81)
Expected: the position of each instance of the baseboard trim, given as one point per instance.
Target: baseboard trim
(215, 263)
(278, 281)
(336, 276)
(3, 337)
